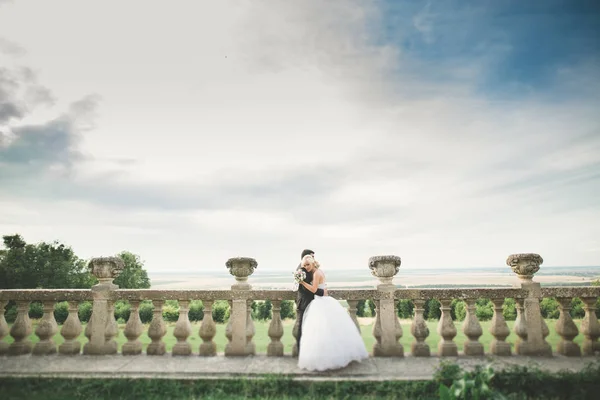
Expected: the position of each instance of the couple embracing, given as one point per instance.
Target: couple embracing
(327, 336)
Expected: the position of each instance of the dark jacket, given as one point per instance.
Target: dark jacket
(305, 296)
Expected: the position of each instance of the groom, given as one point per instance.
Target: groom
(304, 296)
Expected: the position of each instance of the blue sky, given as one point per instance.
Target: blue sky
(450, 133)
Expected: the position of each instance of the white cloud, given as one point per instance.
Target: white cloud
(262, 128)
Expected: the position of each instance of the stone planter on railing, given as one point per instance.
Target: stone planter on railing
(240, 323)
(387, 329)
(525, 266)
(102, 324)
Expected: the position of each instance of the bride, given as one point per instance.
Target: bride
(330, 339)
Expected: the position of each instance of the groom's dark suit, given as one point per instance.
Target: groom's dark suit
(303, 299)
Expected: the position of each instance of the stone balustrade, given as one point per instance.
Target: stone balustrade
(530, 329)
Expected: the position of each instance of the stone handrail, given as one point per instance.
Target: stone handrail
(530, 328)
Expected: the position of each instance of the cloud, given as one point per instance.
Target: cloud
(356, 128)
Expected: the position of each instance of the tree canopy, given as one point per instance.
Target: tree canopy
(56, 266)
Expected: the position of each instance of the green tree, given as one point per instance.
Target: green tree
(133, 276)
(43, 265)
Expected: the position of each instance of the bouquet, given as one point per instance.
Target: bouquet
(299, 276)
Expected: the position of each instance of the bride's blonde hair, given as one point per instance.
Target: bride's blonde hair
(311, 260)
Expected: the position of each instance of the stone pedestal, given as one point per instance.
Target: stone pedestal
(241, 330)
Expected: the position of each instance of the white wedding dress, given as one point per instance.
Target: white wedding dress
(330, 339)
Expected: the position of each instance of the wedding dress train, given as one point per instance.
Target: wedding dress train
(330, 339)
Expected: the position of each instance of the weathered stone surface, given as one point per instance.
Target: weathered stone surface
(106, 269)
(567, 329)
(420, 331)
(241, 268)
(472, 330)
(275, 347)
(499, 330)
(183, 329)
(385, 268)
(460, 294)
(55, 295)
(525, 265)
(20, 331)
(570, 291)
(446, 329)
(3, 329)
(70, 331)
(133, 330)
(46, 329)
(590, 327)
(157, 330)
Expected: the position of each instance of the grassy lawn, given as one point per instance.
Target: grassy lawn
(261, 338)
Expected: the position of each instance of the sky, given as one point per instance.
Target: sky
(449, 133)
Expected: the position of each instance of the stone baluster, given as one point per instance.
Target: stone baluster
(3, 329)
(229, 328)
(525, 266)
(88, 334)
(447, 331)
(133, 330)
(105, 269)
(377, 331)
(250, 330)
(387, 330)
(70, 331)
(112, 330)
(208, 330)
(275, 347)
(157, 330)
(499, 330)
(567, 329)
(46, 329)
(242, 327)
(295, 330)
(472, 330)
(420, 331)
(520, 328)
(183, 329)
(589, 327)
(352, 308)
(20, 331)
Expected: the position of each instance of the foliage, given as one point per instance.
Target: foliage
(460, 310)
(220, 311)
(61, 312)
(288, 310)
(432, 310)
(405, 308)
(133, 276)
(85, 311)
(474, 385)
(549, 308)
(43, 265)
(515, 382)
(146, 311)
(262, 310)
(509, 310)
(484, 309)
(196, 311)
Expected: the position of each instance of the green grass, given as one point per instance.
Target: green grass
(261, 338)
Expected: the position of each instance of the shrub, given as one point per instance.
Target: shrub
(61, 312)
(170, 312)
(36, 310)
(405, 309)
(122, 310)
(220, 311)
(11, 313)
(288, 309)
(509, 310)
(577, 310)
(371, 308)
(549, 308)
(460, 311)
(146, 311)
(196, 310)
(262, 311)
(432, 310)
(85, 311)
(484, 309)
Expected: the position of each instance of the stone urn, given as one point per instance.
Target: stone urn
(384, 268)
(525, 265)
(241, 268)
(106, 269)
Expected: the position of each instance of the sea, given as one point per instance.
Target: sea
(362, 278)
